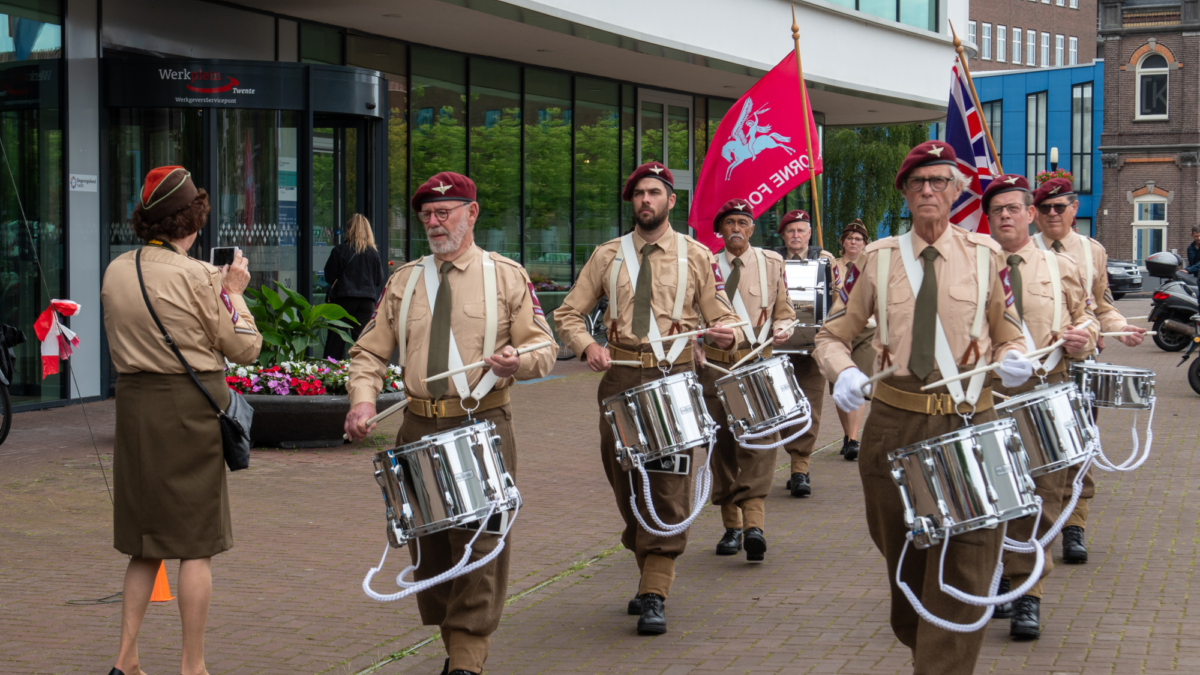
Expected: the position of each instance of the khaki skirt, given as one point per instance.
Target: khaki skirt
(171, 499)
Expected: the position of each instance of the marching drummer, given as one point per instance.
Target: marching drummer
(935, 275)
(427, 306)
(853, 240)
(755, 284)
(1057, 204)
(1050, 300)
(639, 275)
(796, 230)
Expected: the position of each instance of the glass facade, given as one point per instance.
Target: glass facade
(438, 122)
(547, 176)
(1035, 134)
(1081, 137)
(32, 185)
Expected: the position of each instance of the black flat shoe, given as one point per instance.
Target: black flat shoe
(850, 452)
(845, 442)
(1004, 611)
(635, 606)
(1074, 549)
(800, 485)
(1026, 622)
(460, 671)
(446, 667)
(654, 618)
(731, 543)
(115, 671)
(756, 545)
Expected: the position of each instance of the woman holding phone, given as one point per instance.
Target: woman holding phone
(355, 278)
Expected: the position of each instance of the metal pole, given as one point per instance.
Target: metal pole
(812, 169)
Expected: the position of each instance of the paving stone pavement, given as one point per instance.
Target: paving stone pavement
(308, 524)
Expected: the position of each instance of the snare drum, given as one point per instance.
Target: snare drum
(970, 479)
(761, 396)
(1054, 426)
(659, 418)
(446, 480)
(1108, 385)
(811, 295)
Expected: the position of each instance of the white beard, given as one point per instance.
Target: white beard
(448, 245)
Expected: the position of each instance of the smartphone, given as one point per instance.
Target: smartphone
(222, 255)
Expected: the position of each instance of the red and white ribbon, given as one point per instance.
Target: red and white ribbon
(57, 340)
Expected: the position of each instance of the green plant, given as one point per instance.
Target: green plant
(290, 325)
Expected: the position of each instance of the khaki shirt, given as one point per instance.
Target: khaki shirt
(520, 323)
(1038, 298)
(957, 295)
(1100, 296)
(208, 324)
(796, 256)
(705, 292)
(779, 309)
(837, 270)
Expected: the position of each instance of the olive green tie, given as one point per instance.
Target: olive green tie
(734, 277)
(641, 296)
(439, 336)
(921, 361)
(1057, 246)
(1014, 280)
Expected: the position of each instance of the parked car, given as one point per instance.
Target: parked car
(1123, 277)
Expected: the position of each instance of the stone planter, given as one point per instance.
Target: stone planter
(304, 421)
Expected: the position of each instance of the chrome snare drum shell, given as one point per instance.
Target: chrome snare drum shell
(1054, 426)
(969, 479)
(659, 418)
(811, 295)
(445, 480)
(761, 396)
(1107, 385)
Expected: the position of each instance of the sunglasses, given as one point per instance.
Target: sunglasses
(1060, 209)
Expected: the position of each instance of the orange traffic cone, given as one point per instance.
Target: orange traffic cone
(162, 589)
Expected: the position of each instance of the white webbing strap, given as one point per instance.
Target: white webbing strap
(883, 274)
(632, 268)
(739, 305)
(1055, 356)
(941, 348)
(1088, 273)
(405, 303)
(491, 299)
(982, 267)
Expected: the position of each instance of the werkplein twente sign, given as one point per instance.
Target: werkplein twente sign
(198, 83)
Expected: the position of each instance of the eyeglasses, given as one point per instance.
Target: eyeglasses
(1060, 209)
(1010, 209)
(936, 183)
(855, 238)
(440, 214)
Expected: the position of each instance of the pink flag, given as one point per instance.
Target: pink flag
(57, 340)
(758, 153)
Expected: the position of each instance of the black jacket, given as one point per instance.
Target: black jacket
(353, 275)
(814, 252)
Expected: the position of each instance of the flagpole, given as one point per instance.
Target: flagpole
(962, 60)
(812, 168)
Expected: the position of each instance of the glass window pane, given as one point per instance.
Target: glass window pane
(1154, 61)
(652, 132)
(699, 132)
(884, 9)
(678, 216)
(1152, 211)
(398, 208)
(678, 137)
(320, 44)
(385, 56)
(919, 13)
(256, 150)
(548, 176)
(598, 178)
(437, 122)
(1154, 94)
(496, 155)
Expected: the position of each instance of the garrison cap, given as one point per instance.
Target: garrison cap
(1055, 187)
(443, 187)
(1009, 182)
(739, 207)
(168, 190)
(651, 169)
(855, 225)
(925, 154)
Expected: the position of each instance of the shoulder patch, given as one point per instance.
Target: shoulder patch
(233, 313)
(1008, 292)
(717, 276)
(852, 275)
(537, 304)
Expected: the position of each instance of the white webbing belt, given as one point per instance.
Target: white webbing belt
(629, 255)
(739, 305)
(1089, 274)
(1056, 325)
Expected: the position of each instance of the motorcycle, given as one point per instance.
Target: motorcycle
(1194, 370)
(1174, 302)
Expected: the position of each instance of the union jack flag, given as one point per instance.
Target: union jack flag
(964, 133)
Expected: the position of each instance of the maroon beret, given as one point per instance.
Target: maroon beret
(168, 190)
(855, 225)
(793, 216)
(652, 169)
(925, 154)
(1055, 187)
(739, 207)
(1009, 182)
(443, 187)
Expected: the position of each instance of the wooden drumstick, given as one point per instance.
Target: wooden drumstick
(719, 369)
(992, 366)
(765, 343)
(631, 364)
(701, 331)
(1136, 318)
(878, 376)
(1121, 333)
(480, 364)
(393, 409)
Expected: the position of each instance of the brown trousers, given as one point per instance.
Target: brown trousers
(812, 383)
(671, 492)
(1078, 517)
(970, 562)
(741, 477)
(468, 608)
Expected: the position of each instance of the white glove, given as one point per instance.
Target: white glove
(1014, 369)
(847, 391)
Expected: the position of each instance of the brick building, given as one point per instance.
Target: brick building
(1150, 146)
(1013, 34)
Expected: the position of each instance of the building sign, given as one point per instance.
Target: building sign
(81, 182)
(29, 84)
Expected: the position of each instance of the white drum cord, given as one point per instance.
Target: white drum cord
(1134, 461)
(459, 569)
(1046, 539)
(702, 489)
(806, 420)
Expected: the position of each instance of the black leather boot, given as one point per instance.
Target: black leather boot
(654, 618)
(731, 543)
(1074, 548)
(1026, 622)
(117, 671)
(1003, 611)
(460, 671)
(800, 485)
(851, 451)
(445, 668)
(845, 441)
(635, 606)
(756, 545)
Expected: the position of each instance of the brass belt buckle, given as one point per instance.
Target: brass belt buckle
(647, 359)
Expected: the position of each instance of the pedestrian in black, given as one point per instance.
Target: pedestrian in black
(355, 278)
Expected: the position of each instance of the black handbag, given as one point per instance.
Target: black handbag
(235, 420)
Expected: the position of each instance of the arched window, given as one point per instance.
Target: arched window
(1152, 87)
